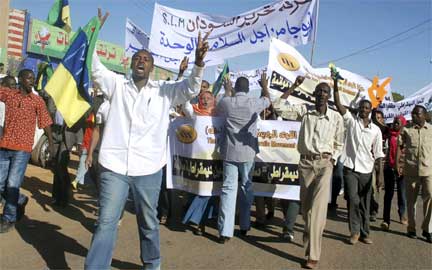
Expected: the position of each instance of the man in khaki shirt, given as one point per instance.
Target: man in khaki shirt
(416, 138)
(320, 144)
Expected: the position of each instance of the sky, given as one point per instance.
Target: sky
(344, 27)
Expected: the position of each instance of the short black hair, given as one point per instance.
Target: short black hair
(24, 71)
(242, 85)
(144, 50)
(6, 78)
(204, 81)
(323, 84)
(365, 101)
(420, 107)
(375, 112)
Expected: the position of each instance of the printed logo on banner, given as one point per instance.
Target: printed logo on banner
(288, 62)
(186, 134)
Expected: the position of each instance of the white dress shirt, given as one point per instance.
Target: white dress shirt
(135, 134)
(363, 144)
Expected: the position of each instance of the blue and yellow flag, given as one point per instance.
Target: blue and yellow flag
(59, 15)
(219, 81)
(45, 72)
(69, 85)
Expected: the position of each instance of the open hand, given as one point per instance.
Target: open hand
(184, 64)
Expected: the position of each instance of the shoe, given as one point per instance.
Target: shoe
(341, 192)
(243, 232)
(74, 184)
(6, 226)
(223, 239)
(428, 236)
(412, 235)
(259, 225)
(163, 220)
(404, 220)
(385, 226)
(270, 215)
(366, 240)
(286, 235)
(21, 209)
(199, 230)
(354, 238)
(311, 264)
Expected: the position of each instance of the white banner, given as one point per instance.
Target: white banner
(405, 107)
(135, 38)
(286, 63)
(195, 166)
(174, 32)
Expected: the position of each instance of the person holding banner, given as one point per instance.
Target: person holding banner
(416, 139)
(363, 147)
(320, 143)
(133, 149)
(238, 149)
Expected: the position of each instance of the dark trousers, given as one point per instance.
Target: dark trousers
(94, 173)
(62, 181)
(390, 179)
(358, 189)
(290, 209)
(337, 182)
(164, 205)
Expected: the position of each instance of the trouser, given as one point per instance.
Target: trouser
(390, 179)
(315, 181)
(164, 205)
(413, 184)
(226, 217)
(62, 182)
(377, 177)
(358, 187)
(260, 205)
(114, 189)
(290, 209)
(337, 182)
(13, 165)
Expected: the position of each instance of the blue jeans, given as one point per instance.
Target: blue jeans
(114, 189)
(81, 174)
(13, 165)
(226, 218)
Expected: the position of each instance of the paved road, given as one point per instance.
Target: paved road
(54, 238)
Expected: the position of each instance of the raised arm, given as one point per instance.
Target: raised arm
(183, 66)
(341, 109)
(228, 87)
(299, 80)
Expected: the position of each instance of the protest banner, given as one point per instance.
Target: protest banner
(135, 38)
(194, 164)
(286, 63)
(174, 32)
(404, 107)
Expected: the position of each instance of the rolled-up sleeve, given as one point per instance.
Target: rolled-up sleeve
(184, 90)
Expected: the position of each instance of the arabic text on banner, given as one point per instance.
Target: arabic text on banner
(174, 32)
(135, 38)
(286, 63)
(194, 164)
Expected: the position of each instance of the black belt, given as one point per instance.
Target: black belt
(311, 157)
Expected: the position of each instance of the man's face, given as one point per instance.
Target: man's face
(141, 65)
(380, 119)
(397, 124)
(204, 86)
(9, 82)
(364, 110)
(27, 81)
(322, 94)
(418, 116)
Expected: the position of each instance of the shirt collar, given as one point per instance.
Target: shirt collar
(240, 94)
(426, 126)
(150, 83)
(361, 122)
(326, 115)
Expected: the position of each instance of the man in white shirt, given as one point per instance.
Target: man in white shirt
(133, 150)
(363, 146)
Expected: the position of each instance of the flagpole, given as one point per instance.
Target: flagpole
(315, 34)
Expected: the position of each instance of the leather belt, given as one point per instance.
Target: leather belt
(312, 157)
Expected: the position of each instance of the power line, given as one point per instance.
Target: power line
(376, 44)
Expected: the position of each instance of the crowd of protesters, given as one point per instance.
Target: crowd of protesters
(122, 150)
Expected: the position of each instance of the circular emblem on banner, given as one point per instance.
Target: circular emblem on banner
(288, 62)
(186, 134)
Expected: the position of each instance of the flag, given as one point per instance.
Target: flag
(59, 15)
(219, 81)
(135, 38)
(69, 85)
(45, 71)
